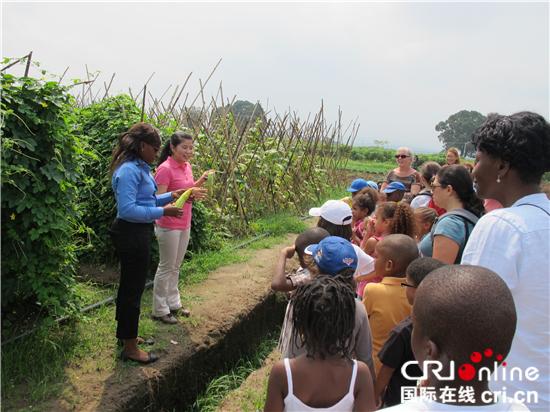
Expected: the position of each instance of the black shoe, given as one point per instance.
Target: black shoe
(140, 341)
(151, 357)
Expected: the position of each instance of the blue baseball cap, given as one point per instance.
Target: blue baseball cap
(357, 185)
(393, 186)
(333, 254)
(372, 184)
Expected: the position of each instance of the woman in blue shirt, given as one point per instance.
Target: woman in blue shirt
(453, 190)
(132, 230)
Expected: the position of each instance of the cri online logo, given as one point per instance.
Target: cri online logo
(468, 371)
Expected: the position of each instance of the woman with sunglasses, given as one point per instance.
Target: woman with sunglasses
(137, 208)
(403, 173)
(452, 190)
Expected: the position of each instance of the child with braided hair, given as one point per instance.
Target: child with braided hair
(333, 256)
(325, 377)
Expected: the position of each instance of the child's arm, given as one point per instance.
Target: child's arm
(382, 380)
(368, 277)
(280, 283)
(364, 390)
(276, 388)
(369, 246)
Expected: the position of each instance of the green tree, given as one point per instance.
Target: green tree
(457, 130)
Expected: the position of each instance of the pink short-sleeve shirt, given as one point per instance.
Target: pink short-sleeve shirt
(175, 176)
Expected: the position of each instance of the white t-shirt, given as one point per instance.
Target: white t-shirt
(514, 242)
(365, 263)
(423, 404)
(421, 200)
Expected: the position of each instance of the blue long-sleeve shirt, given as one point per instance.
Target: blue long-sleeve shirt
(135, 190)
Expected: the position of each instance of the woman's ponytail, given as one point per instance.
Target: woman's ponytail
(459, 178)
(474, 204)
(166, 151)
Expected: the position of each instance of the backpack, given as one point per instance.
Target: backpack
(466, 216)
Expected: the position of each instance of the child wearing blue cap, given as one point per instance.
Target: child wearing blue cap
(336, 257)
(357, 187)
(395, 191)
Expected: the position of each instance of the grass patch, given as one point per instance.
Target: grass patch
(367, 166)
(218, 388)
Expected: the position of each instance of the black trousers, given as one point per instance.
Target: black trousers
(133, 246)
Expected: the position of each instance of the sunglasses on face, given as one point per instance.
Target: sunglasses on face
(401, 156)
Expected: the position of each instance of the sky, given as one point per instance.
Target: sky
(398, 68)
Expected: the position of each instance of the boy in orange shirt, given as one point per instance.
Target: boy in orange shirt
(386, 302)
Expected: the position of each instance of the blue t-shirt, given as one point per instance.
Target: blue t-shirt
(452, 227)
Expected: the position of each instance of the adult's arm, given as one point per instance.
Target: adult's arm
(449, 235)
(445, 249)
(386, 181)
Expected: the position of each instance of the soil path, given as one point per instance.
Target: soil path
(217, 304)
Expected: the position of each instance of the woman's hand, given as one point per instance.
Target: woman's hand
(177, 193)
(199, 193)
(204, 177)
(172, 211)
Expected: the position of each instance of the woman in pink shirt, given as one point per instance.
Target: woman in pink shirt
(172, 233)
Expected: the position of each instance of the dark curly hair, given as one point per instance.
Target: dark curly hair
(323, 317)
(522, 140)
(459, 178)
(402, 217)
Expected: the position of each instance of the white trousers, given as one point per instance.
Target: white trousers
(172, 247)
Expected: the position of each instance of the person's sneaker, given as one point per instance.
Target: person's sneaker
(181, 312)
(170, 319)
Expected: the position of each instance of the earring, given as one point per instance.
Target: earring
(498, 179)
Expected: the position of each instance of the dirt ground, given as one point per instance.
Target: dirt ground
(227, 295)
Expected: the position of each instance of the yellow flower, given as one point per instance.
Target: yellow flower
(43, 104)
(12, 216)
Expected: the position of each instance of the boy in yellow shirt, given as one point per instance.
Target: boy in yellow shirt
(386, 302)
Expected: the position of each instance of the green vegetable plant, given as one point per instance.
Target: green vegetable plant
(40, 179)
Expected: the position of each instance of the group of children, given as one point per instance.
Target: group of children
(348, 329)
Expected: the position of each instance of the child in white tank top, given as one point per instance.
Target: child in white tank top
(325, 378)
